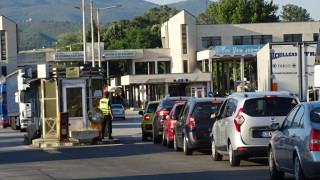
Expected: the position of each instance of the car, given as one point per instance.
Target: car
(193, 130)
(241, 129)
(146, 123)
(168, 125)
(160, 115)
(295, 146)
(118, 111)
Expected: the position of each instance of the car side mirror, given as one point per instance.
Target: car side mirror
(275, 126)
(141, 112)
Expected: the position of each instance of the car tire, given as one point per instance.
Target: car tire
(155, 137)
(169, 143)
(164, 140)
(176, 148)
(273, 170)
(144, 137)
(297, 170)
(234, 160)
(215, 155)
(186, 149)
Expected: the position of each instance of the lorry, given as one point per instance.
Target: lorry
(15, 107)
(287, 67)
(317, 72)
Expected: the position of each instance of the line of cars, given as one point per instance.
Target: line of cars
(243, 125)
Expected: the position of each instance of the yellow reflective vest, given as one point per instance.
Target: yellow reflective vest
(104, 106)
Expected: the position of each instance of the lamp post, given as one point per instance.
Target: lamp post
(83, 31)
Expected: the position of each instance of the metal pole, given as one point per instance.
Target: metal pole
(84, 33)
(99, 53)
(92, 34)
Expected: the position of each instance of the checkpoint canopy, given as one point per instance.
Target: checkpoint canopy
(231, 53)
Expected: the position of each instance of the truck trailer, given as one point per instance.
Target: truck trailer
(287, 67)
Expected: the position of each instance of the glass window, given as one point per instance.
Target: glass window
(4, 70)
(211, 41)
(152, 108)
(288, 121)
(185, 66)
(315, 115)
(203, 110)
(298, 118)
(231, 107)
(74, 101)
(3, 45)
(237, 40)
(315, 36)
(292, 37)
(246, 40)
(268, 106)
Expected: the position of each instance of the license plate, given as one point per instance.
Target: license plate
(267, 134)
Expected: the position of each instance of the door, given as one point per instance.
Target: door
(74, 102)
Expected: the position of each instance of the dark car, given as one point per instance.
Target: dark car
(193, 130)
(169, 123)
(163, 110)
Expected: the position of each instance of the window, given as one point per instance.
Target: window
(292, 37)
(3, 45)
(211, 41)
(315, 36)
(250, 40)
(315, 115)
(184, 39)
(231, 107)
(185, 66)
(4, 70)
(298, 118)
(288, 121)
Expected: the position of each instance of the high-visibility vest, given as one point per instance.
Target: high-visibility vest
(104, 106)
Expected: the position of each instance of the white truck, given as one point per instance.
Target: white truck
(317, 72)
(18, 106)
(287, 67)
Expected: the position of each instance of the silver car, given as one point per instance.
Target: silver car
(241, 129)
(295, 146)
(118, 111)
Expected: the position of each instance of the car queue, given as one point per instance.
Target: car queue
(241, 126)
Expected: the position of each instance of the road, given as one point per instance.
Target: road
(130, 159)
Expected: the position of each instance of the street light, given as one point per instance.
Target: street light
(84, 32)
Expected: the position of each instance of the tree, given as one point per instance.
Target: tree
(243, 11)
(73, 39)
(293, 13)
(205, 18)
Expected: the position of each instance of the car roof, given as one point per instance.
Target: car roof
(262, 94)
(176, 98)
(154, 102)
(207, 99)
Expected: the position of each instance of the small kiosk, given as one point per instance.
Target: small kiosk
(60, 89)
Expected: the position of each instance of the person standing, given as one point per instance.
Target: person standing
(105, 106)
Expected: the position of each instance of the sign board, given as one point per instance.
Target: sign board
(238, 49)
(72, 72)
(180, 80)
(210, 94)
(68, 56)
(124, 53)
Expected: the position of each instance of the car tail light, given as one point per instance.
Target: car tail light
(147, 117)
(315, 140)
(172, 123)
(163, 113)
(123, 112)
(270, 96)
(191, 122)
(239, 120)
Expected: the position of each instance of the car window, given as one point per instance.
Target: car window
(178, 110)
(152, 108)
(185, 111)
(315, 115)
(288, 121)
(231, 107)
(116, 106)
(298, 117)
(268, 106)
(204, 110)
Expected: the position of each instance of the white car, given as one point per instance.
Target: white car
(118, 111)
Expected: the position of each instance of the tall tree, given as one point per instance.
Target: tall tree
(205, 18)
(294, 13)
(243, 11)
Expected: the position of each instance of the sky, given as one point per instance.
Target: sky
(312, 6)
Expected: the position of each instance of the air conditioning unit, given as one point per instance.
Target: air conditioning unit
(43, 70)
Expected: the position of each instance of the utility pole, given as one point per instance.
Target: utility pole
(84, 33)
(92, 34)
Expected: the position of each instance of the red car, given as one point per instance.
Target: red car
(169, 123)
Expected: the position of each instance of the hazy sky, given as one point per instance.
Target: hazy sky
(312, 6)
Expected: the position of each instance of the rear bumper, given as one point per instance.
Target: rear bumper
(198, 143)
(171, 134)
(260, 151)
(146, 128)
(5, 122)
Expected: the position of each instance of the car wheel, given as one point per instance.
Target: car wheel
(169, 143)
(155, 137)
(164, 140)
(176, 148)
(144, 137)
(186, 149)
(234, 160)
(273, 170)
(215, 155)
(297, 170)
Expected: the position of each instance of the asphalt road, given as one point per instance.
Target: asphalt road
(130, 159)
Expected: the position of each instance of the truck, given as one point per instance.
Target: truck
(317, 72)
(286, 66)
(15, 107)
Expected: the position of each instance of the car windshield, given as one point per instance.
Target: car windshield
(269, 106)
(315, 115)
(204, 110)
(152, 108)
(168, 104)
(116, 106)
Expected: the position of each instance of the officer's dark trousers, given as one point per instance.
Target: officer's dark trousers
(106, 122)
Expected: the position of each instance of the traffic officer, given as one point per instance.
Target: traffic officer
(105, 106)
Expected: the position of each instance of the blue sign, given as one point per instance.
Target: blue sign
(238, 49)
(180, 80)
(210, 94)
